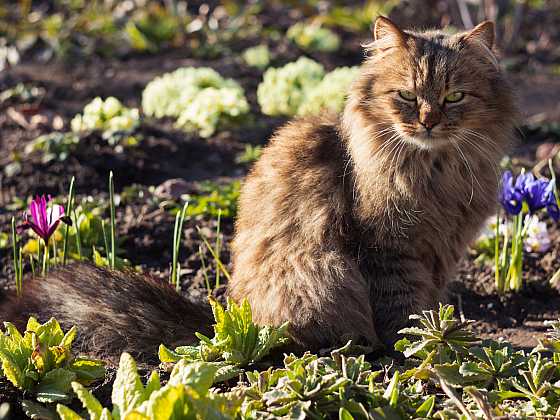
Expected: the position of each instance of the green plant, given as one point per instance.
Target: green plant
(214, 199)
(200, 99)
(284, 89)
(302, 88)
(330, 93)
(53, 146)
(237, 342)
(186, 395)
(177, 234)
(258, 56)
(313, 37)
(41, 360)
(249, 155)
(108, 116)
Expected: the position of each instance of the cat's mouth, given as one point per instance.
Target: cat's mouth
(426, 140)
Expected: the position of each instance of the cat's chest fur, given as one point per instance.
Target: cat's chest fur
(433, 208)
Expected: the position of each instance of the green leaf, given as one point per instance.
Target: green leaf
(168, 404)
(89, 402)
(128, 391)
(87, 370)
(168, 356)
(197, 375)
(69, 338)
(38, 411)
(66, 413)
(344, 414)
(55, 385)
(152, 385)
(426, 408)
(450, 374)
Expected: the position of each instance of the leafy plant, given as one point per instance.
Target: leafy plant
(258, 56)
(200, 99)
(313, 37)
(186, 395)
(249, 155)
(441, 332)
(214, 200)
(54, 146)
(330, 93)
(284, 89)
(237, 341)
(302, 88)
(41, 360)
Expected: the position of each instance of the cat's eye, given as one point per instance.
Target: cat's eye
(407, 95)
(454, 97)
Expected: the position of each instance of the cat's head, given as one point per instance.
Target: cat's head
(433, 89)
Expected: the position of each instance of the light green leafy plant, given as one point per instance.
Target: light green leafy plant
(330, 93)
(284, 89)
(237, 341)
(214, 200)
(186, 395)
(53, 146)
(41, 360)
(313, 37)
(258, 56)
(199, 98)
(302, 88)
(249, 155)
(107, 115)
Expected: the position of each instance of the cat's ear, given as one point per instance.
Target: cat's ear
(386, 34)
(483, 32)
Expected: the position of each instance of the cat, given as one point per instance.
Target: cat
(348, 223)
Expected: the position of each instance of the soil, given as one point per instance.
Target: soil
(166, 153)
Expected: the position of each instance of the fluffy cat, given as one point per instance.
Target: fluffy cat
(348, 225)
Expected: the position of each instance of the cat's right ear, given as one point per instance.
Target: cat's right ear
(387, 35)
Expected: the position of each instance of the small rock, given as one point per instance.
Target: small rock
(172, 188)
(547, 151)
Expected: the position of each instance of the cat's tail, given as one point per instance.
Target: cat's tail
(114, 311)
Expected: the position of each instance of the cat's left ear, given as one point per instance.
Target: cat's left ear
(386, 34)
(483, 32)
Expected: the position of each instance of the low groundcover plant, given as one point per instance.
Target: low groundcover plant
(200, 99)
(41, 360)
(303, 88)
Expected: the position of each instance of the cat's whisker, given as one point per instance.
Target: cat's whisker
(467, 166)
(482, 153)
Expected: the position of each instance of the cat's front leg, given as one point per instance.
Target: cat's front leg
(395, 295)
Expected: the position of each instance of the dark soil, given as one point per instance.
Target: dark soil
(166, 153)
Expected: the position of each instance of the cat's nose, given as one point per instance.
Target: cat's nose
(429, 117)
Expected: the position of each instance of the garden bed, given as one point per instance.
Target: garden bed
(145, 225)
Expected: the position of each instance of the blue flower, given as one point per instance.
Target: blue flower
(536, 193)
(551, 203)
(511, 196)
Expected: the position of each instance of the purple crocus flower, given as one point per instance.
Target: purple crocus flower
(551, 203)
(535, 194)
(511, 196)
(43, 220)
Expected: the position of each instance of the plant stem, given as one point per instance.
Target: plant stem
(69, 204)
(106, 241)
(16, 257)
(78, 238)
(204, 273)
(214, 255)
(45, 257)
(218, 246)
(177, 233)
(112, 208)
